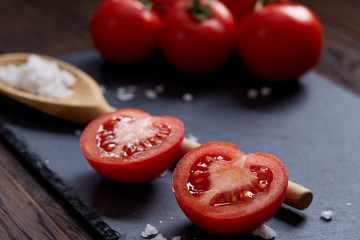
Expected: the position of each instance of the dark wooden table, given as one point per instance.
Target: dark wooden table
(29, 208)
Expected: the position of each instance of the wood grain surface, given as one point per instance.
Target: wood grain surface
(29, 208)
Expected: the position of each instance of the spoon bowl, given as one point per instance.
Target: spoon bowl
(84, 105)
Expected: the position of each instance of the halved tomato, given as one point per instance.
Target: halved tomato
(131, 146)
(226, 192)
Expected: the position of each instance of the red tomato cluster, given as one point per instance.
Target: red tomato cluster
(277, 41)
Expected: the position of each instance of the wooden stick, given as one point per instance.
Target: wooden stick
(297, 196)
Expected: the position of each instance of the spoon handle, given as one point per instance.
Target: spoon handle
(297, 196)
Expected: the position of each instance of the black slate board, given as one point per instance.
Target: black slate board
(312, 126)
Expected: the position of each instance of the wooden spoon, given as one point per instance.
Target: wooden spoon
(88, 102)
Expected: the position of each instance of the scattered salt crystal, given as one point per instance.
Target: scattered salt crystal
(252, 93)
(265, 91)
(151, 94)
(349, 204)
(39, 76)
(78, 132)
(102, 88)
(265, 232)
(176, 238)
(159, 237)
(47, 161)
(188, 97)
(160, 88)
(149, 230)
(125, 93)
(192, 137)
(164, 174)
(327, 215)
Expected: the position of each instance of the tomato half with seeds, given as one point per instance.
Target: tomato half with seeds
(131, 146)
(226, 192)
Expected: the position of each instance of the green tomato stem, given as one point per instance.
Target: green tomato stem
(200, 12)
(258, 5)
(147, 3)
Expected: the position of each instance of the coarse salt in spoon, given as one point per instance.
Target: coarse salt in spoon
(84, 105)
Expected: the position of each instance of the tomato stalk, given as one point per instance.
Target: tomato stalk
(147, 3)
(200, 11)
(260, 3)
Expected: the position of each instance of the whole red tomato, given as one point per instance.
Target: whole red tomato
(240, 8)
(198, 37)
(125, 31)
(162, 6)
(281, 41)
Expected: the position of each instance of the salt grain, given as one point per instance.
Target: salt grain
(125, 93)
(252, 93)
(159, 237)
(265, 232)
(160, 88)
(102, 88)
(77, 132)
(349, 204)
(39, 76)
(164, 174)
(327, 215)
(192, 137)
(151, 94)
(265, 91)
(188, 97)
(149, 230)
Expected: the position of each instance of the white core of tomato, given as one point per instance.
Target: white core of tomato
(230, 175)
(131, 132)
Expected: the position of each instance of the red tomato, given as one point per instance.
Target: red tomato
(281, 41)
(226, 192)
(198, 46)
(131, 146)
(162, 6)
(240, 8)
(125, 31)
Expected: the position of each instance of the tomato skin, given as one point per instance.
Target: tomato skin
(281, 41)
(198, 46)
(124, 31)
(138, 168)
(162, 6)
(232, 219)
(241, 8)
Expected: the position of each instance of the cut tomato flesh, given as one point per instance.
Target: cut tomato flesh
(224, 191)
(122, 136)
(231, 184)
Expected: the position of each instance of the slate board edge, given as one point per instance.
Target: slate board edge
(65, 191)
